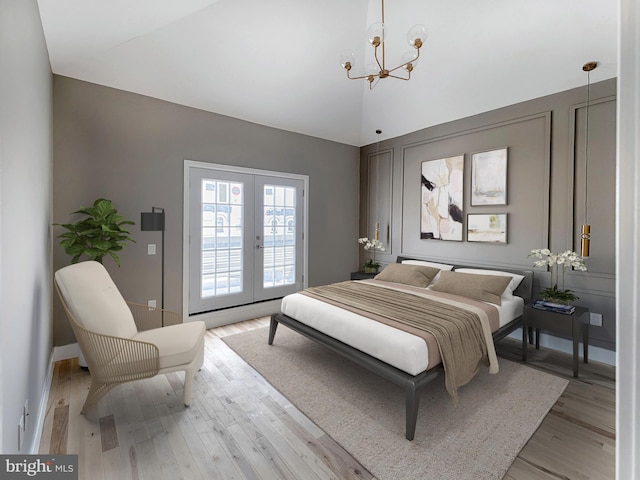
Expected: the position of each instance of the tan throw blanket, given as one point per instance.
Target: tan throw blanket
(464, 340)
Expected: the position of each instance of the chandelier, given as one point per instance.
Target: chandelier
(374, 72)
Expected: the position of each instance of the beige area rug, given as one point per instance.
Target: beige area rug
(475, 440)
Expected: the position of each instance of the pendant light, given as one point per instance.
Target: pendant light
(585, 235)
(416, 37)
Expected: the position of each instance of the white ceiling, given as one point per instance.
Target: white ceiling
(276, 62)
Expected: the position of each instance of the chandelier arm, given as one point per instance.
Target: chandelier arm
(401, 78)
(405, 64)
(359, 77)
(375, 55)
(398, 67)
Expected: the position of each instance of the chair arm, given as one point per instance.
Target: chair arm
(115, 359)
(147, 317)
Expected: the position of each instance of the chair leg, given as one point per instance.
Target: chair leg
(188, 385)
(190, 372)
(96, 392)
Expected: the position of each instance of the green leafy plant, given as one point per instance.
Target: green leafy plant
(554, 294)
(101, 233)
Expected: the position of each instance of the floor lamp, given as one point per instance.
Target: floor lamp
(153, 221)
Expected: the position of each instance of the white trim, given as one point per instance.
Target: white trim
(237, 314)
(42, 408)
(597, 354)
(233, 314)
(628, 243)
(65, 352)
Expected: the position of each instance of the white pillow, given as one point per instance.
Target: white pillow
(441, 266)
(513, 284)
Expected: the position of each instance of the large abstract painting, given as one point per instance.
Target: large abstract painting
(489, 178)
(442, 199)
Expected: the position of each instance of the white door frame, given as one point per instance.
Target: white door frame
(231, 315)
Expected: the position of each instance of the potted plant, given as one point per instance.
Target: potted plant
(371, 266)
(558, 262)
(99, 234)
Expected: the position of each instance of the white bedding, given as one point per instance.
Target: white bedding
(403, 350)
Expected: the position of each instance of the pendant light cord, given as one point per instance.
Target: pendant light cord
(586, 147)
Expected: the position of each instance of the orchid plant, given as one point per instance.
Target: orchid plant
(372, 245)
(557, 263)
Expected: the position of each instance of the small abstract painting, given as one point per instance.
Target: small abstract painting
(490, 228)
(442, 204)
(489, 178)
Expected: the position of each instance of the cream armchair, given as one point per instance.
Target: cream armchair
(111, 339)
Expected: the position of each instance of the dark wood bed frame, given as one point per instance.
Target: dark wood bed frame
(412, 384)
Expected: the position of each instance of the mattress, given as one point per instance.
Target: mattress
(403, 350)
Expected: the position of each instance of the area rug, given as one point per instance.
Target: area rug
(478, 438)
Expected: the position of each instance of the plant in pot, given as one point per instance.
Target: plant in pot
(371, 266)
(557, 263)
(100, 233)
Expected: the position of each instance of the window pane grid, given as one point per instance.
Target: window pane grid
(279, 236)
(222, 230)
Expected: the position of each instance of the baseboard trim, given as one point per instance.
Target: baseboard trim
(237, 314)
(42, 408)
(597, 354)
(65, 352)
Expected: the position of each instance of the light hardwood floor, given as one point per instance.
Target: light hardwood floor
(239, 427)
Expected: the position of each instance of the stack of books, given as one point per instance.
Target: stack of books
(554, 307)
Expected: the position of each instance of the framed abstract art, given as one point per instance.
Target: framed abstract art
(488, 228)
(489, 177)
(442, 207)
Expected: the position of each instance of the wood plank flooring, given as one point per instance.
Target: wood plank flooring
(239, 427)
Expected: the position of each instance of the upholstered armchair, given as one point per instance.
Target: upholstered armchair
(111, 337)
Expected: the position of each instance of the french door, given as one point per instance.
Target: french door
(246, 238)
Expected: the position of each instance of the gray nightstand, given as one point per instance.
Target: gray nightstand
(362, 275)
(575, 325)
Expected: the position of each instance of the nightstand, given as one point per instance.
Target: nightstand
(362, 275)
(574, 325)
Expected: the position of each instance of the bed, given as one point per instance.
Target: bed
(358, 328)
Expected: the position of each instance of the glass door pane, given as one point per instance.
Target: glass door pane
(220, 253)
(222, 234)
(280, 245)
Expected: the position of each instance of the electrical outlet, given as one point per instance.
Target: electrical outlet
(595, 319)
(151, 249)
(151, 304)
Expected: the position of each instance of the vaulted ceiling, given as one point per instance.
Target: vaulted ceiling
(277, 62)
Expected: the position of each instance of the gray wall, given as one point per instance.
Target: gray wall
(131, 148)
(25, 199)
(545, 138)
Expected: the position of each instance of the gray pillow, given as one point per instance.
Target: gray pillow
(486, 288)
(416, 275)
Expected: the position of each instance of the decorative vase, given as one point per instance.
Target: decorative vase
(370, 269)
